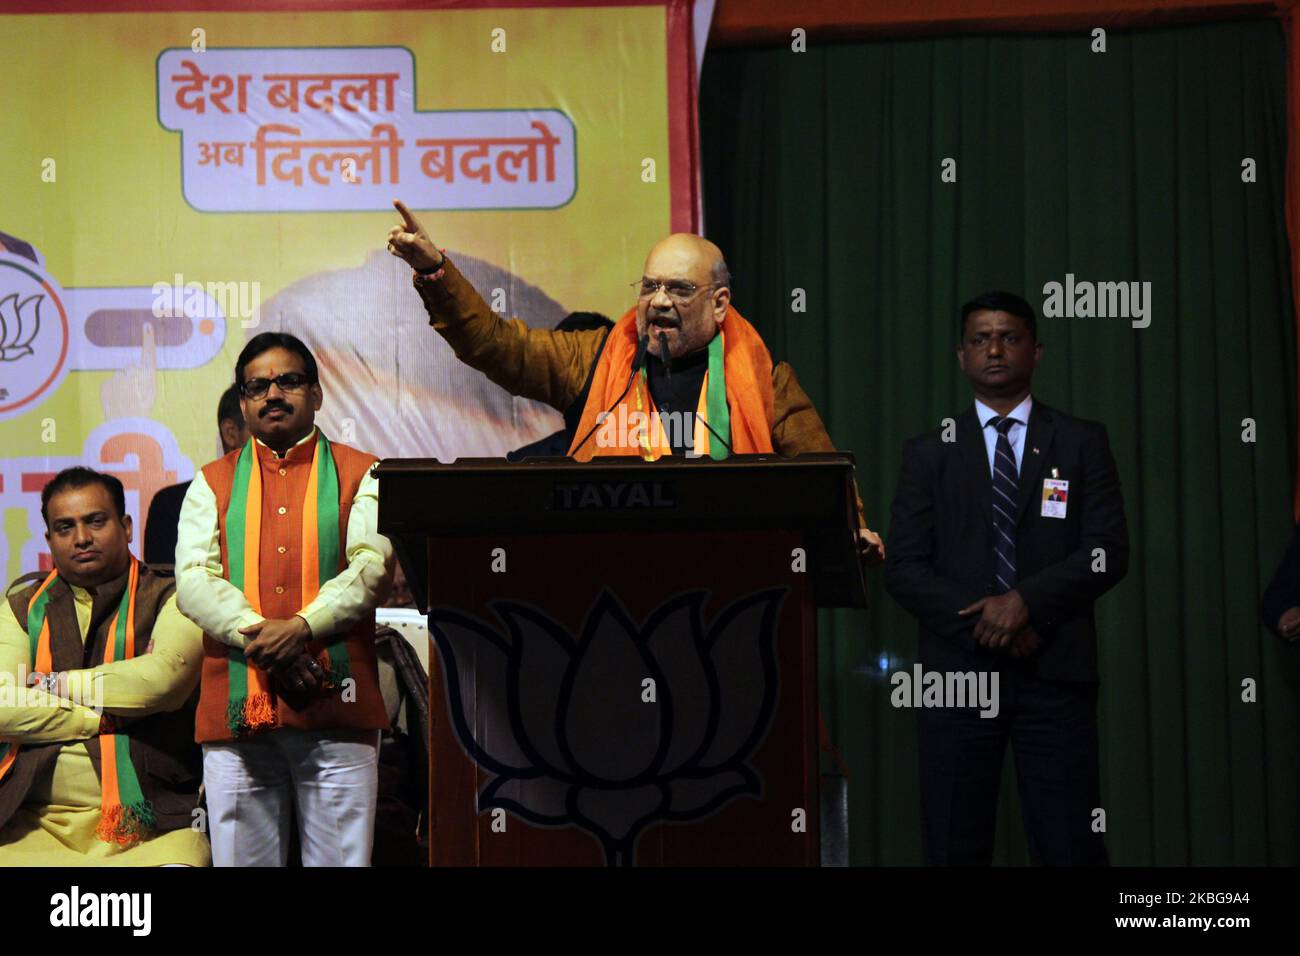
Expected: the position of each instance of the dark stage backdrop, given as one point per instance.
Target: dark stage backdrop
(823, 174)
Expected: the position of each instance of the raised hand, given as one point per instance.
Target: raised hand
(411, 243)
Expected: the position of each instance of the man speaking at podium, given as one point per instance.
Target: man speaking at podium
(681, 354)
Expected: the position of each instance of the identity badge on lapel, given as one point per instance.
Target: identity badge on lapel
(1056, 494)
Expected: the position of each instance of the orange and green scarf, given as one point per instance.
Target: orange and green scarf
(125, 815)
(711, 408)
(249, 707)
(736, 398)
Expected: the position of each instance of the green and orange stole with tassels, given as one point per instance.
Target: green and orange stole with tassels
(126, 816)
(250, 707)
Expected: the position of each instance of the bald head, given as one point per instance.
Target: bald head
(688, 256)
(685, 293)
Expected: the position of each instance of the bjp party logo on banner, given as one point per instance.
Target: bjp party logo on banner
(34, 336)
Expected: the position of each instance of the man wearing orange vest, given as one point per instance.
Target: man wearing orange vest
(716, 387)
(278, 560)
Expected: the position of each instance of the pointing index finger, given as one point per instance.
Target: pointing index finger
(407, 219)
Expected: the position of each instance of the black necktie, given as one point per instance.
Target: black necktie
(1006, 486)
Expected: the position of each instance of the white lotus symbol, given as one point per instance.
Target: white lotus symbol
(19, 323)
(563, 725)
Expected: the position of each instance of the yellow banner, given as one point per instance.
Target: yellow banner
(176, 183)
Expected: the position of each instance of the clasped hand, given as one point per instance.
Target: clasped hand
(279, 647)
(1004, 623)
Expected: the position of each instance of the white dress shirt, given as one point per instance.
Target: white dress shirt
(1015, 434)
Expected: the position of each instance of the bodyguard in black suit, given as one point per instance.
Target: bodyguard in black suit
(1002, 576)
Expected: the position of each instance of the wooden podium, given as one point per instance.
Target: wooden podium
(623, 660)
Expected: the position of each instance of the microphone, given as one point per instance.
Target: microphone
(638, 359)
(713, 432)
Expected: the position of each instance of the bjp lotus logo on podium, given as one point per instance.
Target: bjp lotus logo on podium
(33, 335)
(622, 726)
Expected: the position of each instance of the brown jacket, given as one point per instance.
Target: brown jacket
(552, 367)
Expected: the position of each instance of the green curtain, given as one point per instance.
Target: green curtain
(822, 173)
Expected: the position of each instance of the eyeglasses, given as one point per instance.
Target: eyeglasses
(677, 290)
(256, 388)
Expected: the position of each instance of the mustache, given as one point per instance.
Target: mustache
(274, 404)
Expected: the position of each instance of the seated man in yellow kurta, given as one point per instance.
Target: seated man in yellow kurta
(98, 668)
